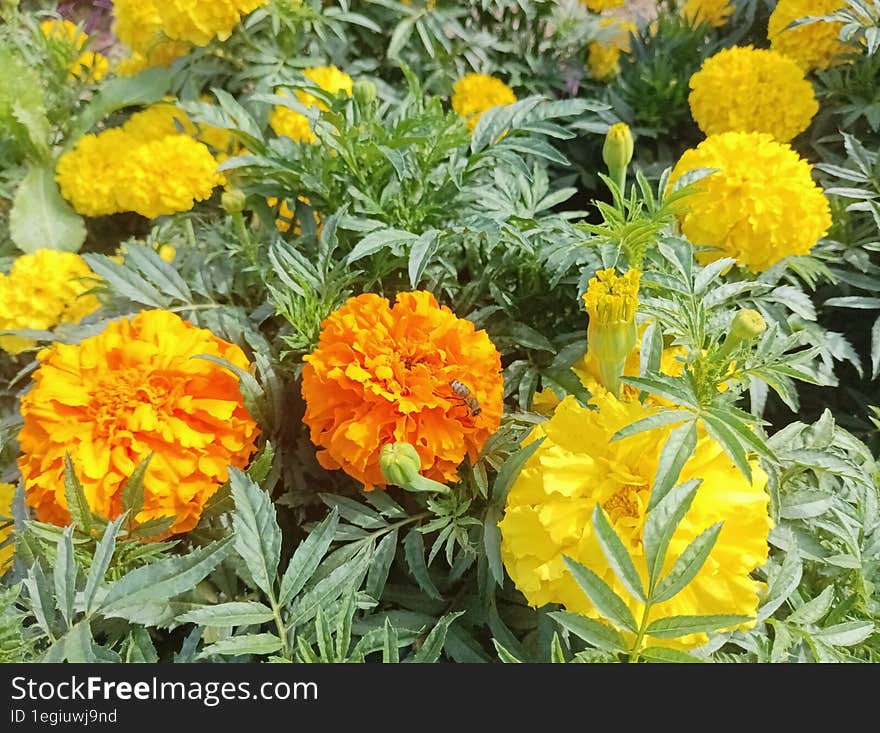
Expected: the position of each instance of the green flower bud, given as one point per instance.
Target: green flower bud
(400, 465)
(617, 152)
(747, 325)
(364, 93)
(233, 201)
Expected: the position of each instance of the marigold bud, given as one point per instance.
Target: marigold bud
(400, 465)
(233, 201)
(617, 152)
(167, 252)
(365, 93)
(747, 325)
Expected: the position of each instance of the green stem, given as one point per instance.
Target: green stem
(640, 636)
(279, 626)
(245, 237)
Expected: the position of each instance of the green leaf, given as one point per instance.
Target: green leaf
(783, 584)
(423, 249)
(492, 543)
(381, 565)
(64, 573)
(591, 631)
(661, 524)
(77, 503)
(657, 420)
(342, 580)
(510, 471)
(343, 625)
(414, 552)
(235, 613)
(125, 282)
(815, 609)
(262, 464)
(687, 565)
(601, 595)
(133, 489)
(307, 558)
(557, 654)
(240, 645)
(615, 552)
(163, 579)
(257, 535)
(504, 655)
(390, 644)
(101, 561)
(379, 240)
(670, 656)
(729, 442)
(325, 638)
(158, 272)
(679, 447)
(41, 219)
(140, 647)
(848, 633)
(40, 595)
(433, 645)
(672, 627)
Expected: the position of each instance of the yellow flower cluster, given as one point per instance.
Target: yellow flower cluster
(814, 45)
(88, 65)
(159, 32)
(473, 94)
(42, 290)
(7, 492)
(760, 205)
(713, 13)
(752, 90)
(603, 57)
(132, 391)
(294, 125)
(550, 506)
(145, 166)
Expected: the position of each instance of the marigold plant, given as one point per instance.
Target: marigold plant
(578, 466)
(473, 94)
(89, 64)
(759, 206)
(296, 126)
(383, 373)
(752, 90)
(812, 45)
(41, 291)
(134, 391)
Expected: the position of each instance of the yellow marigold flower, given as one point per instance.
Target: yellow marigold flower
(89, 65)
(597, 6)
(384, 374)
(760, 205)
(550, 506)
(294, 125)
(145, 166)
(137, 23)
(603, 56)
(132, 390)
(752, 90)
(42, 290)
(812, 46)
(7, 493)
(474, 94)
(713, 13)
(200, 23)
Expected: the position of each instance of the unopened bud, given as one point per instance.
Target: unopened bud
(747, 325)
(233, 201)
(364, 92)
(400, 465)
(617, 152)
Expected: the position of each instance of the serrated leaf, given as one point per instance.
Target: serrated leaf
(420, 254)
(601, 595)
(77, 503)
(673, 627)
(41, 219)
(159, 272)
(390, 653)
(615, 552)
(125, 282)
(246, 644)
(307, 558)
(163, 579)
(234, 613)
(381, 565)
(687, 565)
(813, 610)
(662, 654)
(100, 562)
(503, 654)
(257, 535)
(64, 573)
(433, 644)
(783, 584)
(342, 580)
(414, 552)
(661, 524)
(677, 449)
(591, 631)
(133, 489)
(848, 633)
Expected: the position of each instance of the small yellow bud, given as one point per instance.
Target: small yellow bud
(617, 152)
(233, 201)
(167, 252)
(747, 325)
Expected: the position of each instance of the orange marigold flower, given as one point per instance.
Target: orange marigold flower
(132, 390)
(383, 374)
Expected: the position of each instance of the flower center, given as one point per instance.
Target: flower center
(622, 504)
(123, 391)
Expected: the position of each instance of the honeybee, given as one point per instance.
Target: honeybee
(469, 400)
